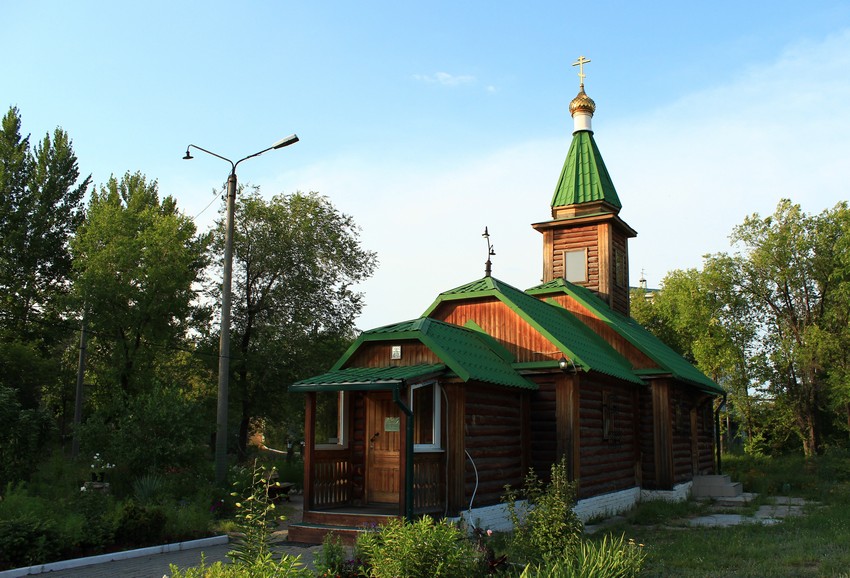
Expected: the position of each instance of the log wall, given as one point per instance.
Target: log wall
(493, 424)
(607, 461)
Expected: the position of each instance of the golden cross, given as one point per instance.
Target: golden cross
(580, 63)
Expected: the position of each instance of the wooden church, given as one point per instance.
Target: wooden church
(436, 415)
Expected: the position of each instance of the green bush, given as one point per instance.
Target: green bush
(187, 521)
(114, 433)
(149, 488)
(98, 510)
(545, 525)
(608, 558)
(25, 541)
(331, 558)
(24, 432)
(421, 549)
(140, 525)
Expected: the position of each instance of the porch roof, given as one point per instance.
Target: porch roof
(367, 378)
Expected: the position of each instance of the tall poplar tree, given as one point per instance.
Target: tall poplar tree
(41, 207)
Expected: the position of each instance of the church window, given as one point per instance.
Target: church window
(575, 266)
(620, 267)
(607, 417)
(331, 420)
(425, 404)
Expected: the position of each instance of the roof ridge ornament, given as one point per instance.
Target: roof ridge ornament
(491, 251)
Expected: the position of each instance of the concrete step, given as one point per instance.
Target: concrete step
(715, 486)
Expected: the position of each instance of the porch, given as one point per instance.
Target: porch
(335, 499)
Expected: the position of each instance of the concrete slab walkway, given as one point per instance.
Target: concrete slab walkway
(766, 515)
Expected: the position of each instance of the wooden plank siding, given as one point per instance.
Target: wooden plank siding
(504, 325)
(493, 438)
(585, 237)
(378, 355)
(606, 463)
(620, 292)
(622, 345)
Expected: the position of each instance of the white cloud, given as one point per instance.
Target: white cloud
(445, 79)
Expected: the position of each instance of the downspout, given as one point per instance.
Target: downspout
(408, 454)
(717, 449)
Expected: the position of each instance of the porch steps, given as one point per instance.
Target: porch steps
(306, 533)
(716, 486)
(315, 525)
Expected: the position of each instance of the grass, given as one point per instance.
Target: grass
(816, 544)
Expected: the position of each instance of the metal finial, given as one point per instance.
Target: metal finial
(488, 266)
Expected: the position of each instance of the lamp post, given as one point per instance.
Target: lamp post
(227, 277)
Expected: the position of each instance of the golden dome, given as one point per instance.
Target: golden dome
(582, 103)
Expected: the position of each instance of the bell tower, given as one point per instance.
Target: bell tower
(586, 242)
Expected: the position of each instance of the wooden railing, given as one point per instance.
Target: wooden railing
(428, 482)
(331, 479)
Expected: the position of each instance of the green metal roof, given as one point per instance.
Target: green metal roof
(584, 178)
(364, 378)
(466, 352)
(566, 332)
(634, 332)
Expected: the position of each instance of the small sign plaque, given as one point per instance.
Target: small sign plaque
(395, 352)
(392, 424)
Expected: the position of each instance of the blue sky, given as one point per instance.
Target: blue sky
(428, 121)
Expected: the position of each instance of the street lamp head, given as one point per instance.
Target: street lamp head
(188, 157)
(285, 142)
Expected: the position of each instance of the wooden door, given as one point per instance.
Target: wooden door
(383, 441)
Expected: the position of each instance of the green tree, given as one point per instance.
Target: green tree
(41, 207)
(296, 260)
(702, 315)
(796, 282)
(137, 260)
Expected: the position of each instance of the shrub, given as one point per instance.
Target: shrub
(148, 488)
(140, 525)
(332, 560)
(97, 510)
(421, 549)
(24, 432)
(188, 520)
(609, 558)
(25, 541)
(545, 526)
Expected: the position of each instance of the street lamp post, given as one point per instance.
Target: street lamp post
(227, 278)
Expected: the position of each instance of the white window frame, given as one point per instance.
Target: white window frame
(435, 419)
(572, 258)
(342, 425)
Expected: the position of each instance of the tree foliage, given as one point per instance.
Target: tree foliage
(137, 259)
(41, 207)
(296, 262)
(771, 320)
